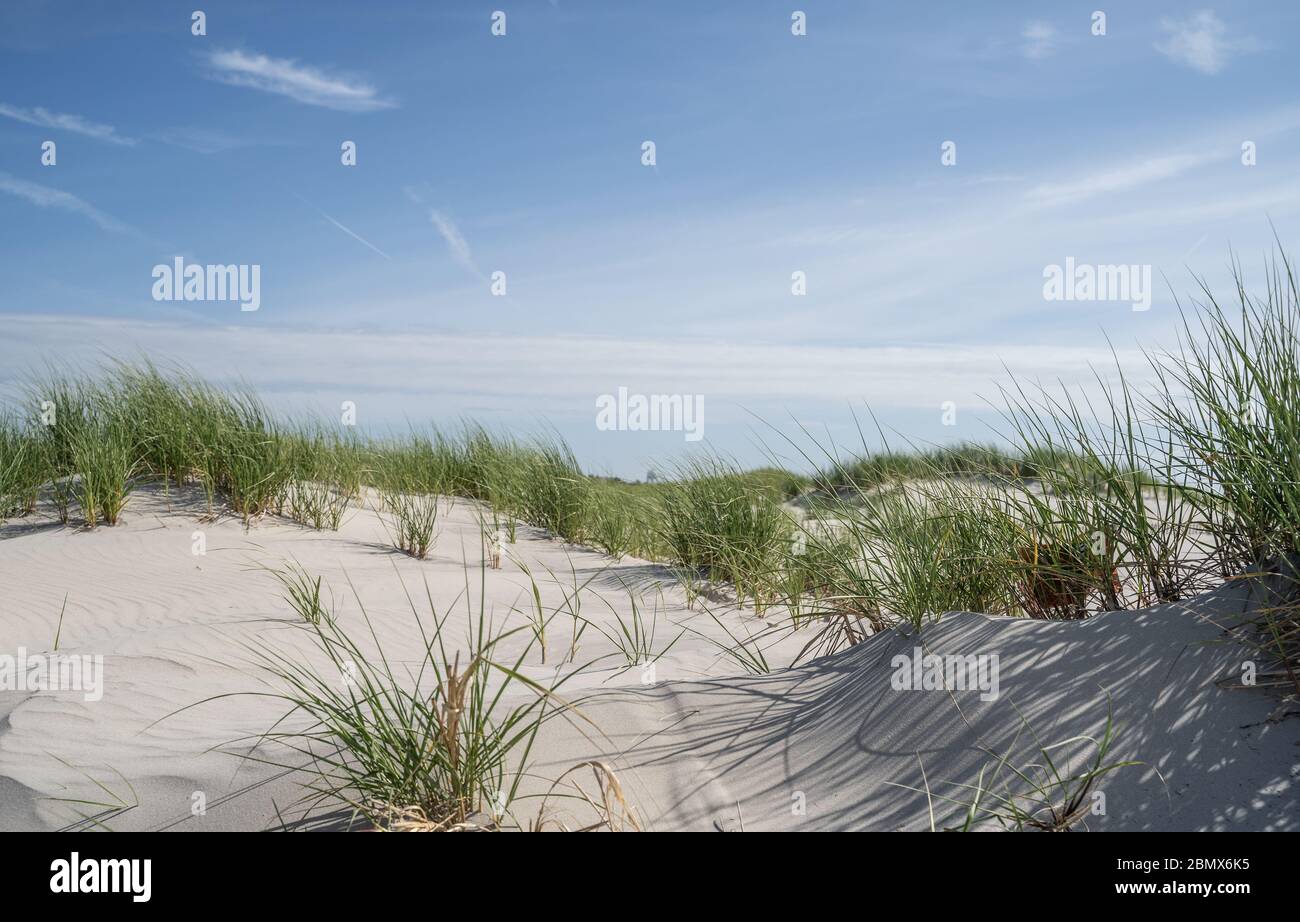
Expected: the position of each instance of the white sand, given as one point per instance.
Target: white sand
(702, 748)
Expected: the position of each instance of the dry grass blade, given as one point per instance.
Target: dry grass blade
(609, 807)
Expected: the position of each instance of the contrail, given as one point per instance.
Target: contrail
(347, 230)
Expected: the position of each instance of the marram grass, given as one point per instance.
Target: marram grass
(1142, 496)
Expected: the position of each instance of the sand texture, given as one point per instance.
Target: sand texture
(827, 744)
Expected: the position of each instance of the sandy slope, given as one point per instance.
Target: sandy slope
(177, 629)
(735, 752)
(702, 748)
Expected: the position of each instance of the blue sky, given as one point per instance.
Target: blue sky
(522, 154)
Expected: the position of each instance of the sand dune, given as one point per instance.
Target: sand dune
(737, 751)
(828, 744)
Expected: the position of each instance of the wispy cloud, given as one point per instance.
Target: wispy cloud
(560, 375)
(1116, 179)
(65, 122)
(47, 197)
(456, 243)
(1141, 169)
(1201, 42)
(304, 84)
(1039, 40)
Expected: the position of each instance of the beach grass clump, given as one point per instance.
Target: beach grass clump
(22, 469)
(1230, 396)
(717, 522)
(105, 459)
(188, 430)
(317, 502)
(616, 521)
(495, 475)
(1093, 520)
(553, 492)
(918, 549)
(783, 484)
(421, 462)
(412, 511)
(487, 467)
(82, 440)
(253, 460)
(162, 412)
(470, 462)
(253, 469)
(441, 744)
(414, 519)
(328, 472)
(1109, 505)
(54, 409)
(966, 459)
(57, 407)
(624, 519)
(919, 534)
(1053, 793)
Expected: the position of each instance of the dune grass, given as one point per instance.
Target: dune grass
(302, 591)
(1130, 498)
(966, 459)
(429, 744)
(104, 462)
(616, 522)
(1079, 504)
(328, 471)
(440, 744)
(409, 496)
(22, 470)
(553, 492)
(633, 635)
(718, 522)
(1239, 370)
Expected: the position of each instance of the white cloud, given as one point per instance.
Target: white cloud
(1201, 42)
(1205, 149)
(65, 122)
(47, 197)
(557, 375)
(1039, 40)
(286, 77)
(456, 243)
(1116, 179)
